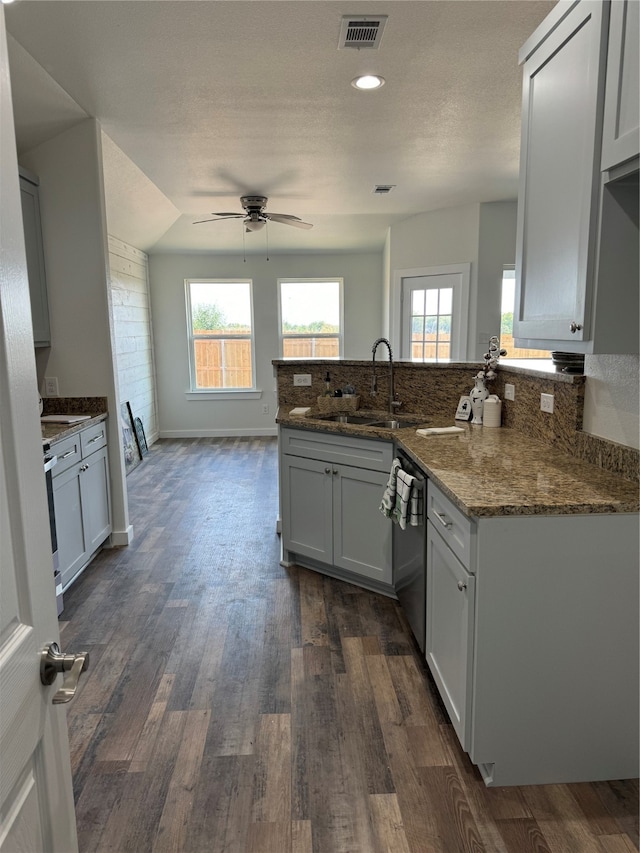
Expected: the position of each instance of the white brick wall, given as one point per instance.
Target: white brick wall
(133, 332)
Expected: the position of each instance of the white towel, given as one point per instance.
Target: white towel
(407, 508)
(389, 497)
(440, 430)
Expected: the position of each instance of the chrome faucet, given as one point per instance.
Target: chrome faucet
(393, 404)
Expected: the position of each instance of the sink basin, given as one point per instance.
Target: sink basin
(348, 419)
(394, 424)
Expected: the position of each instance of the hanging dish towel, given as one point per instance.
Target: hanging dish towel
(389, 497)
(407, 508)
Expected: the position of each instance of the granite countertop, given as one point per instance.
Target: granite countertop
(497, 472)
(52, 432)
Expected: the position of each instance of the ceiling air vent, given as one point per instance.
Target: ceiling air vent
(383, 189)
(361, 31)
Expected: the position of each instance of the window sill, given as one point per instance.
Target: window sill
(225, 394)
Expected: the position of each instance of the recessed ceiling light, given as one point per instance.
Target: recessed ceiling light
(368, 81)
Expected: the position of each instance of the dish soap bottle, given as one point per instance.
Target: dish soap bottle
(327, 385)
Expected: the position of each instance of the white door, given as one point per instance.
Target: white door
(434, 307)
(36, 800)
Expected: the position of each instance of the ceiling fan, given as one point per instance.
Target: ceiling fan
(255, 216)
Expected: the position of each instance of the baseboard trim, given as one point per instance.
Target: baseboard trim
(121, 538)
(219, 433)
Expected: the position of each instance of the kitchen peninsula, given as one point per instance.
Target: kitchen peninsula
(531, 565)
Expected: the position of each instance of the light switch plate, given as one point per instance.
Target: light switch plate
(302, 379)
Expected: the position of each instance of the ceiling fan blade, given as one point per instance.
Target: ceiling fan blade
(221, 216)
(285, 219)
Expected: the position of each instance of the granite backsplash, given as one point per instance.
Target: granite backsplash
(74, 405)
(434, 390)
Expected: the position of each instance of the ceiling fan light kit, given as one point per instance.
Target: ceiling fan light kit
(255, 217)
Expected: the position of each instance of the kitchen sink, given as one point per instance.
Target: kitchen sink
(394, 424)
(368, 420)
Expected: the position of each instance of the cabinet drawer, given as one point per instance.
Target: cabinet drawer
(93, 438)
(452, 524)
(69, 451)
(341, 449)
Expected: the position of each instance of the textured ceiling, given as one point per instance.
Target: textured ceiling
(210, 100)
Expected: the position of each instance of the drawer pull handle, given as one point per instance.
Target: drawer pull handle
(444, 521)
(95, 438)
(462, 586)
(68, 453)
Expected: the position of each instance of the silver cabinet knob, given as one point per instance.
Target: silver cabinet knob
(462, 586)
(327, 470)
(575, 327)
(53, 661)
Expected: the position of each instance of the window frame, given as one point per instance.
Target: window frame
(194, 392)
(460, 320)
(302, 336)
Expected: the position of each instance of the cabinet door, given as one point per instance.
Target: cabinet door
(94, 486)
(620, 136)
(306, 508)
(361, 534)
(35, 263)
(67, 500)
(559, 179)
(449, 639)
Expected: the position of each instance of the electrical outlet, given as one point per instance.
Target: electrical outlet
(546, 403)
(509, 391)
(265, 408)
(301, 379)
(51, 386)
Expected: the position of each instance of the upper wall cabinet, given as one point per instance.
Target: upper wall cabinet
(35, 259)
(620, 135)
(577, 235)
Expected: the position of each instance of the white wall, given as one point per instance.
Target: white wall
(496, 248)
(611, 401)
(133, 333)
(362, 276)
(437, 238)
(75, 249)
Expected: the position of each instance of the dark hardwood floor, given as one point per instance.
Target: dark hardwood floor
(233, 706)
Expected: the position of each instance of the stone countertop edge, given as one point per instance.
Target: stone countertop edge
(497, 472)
(56, 432)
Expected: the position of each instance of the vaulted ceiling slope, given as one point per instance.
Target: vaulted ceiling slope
(214, 99)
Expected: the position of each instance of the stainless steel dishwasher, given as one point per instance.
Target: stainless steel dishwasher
(409, 559)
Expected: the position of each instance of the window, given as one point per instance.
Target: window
(506, 320)
(434, 308)
(311, 318)
(220, 330)
(431, 313)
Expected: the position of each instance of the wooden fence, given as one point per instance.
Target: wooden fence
(226, 363)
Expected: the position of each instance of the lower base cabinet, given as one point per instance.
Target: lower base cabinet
(82, 504)
(532, 640)
(331, 490)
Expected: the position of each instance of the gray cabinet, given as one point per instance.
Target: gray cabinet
(532, 626)
(35, 259)
(81, 498)
(449, 634)
(576, 272)
(331, 488)
(620, 135)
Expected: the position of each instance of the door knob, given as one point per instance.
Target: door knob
(53, 661)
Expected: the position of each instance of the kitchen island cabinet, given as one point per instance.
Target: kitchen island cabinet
(331, 489)
(577, 248)
(81, 498)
